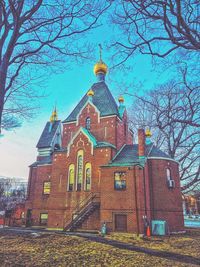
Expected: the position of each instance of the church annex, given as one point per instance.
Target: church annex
(88, 171)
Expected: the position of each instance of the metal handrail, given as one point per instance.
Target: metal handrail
(81, 206)
(85, 202)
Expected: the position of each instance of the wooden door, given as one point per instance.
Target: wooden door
(121, 222)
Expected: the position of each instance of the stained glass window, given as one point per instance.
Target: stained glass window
(120, 181)
(79, 170)
(71, 177)
(88, 177)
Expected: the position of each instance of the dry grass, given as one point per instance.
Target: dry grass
(59, 250)
(185, 244)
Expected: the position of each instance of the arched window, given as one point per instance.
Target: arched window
(88, 123)
(71, 178)
(170, 181)
(168, 172)
(88, 174)
(79, 169)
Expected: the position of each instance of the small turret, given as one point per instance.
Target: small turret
(90, 94)
(121, 107)
(148, 135)
(54, 116)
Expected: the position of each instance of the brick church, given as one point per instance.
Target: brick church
(88, 171)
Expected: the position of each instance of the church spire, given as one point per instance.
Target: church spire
(100, 68)
(54, 116)
(121, 107)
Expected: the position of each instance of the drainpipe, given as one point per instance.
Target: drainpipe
(151, 190)
(136, 202)
(145, 198)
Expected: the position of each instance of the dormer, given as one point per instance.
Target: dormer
(50, 138)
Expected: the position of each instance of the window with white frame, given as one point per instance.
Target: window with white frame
(168, 172)
(170, 181)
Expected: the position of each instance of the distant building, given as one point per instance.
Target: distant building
(13, 184)
(191, 204)
(88, 171)
(12, 200)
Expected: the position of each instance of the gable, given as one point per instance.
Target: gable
(87, 109)
(102, 100)
(48, 135)
(87, 134)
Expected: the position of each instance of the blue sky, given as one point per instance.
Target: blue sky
(17, 148)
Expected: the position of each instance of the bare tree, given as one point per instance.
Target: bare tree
(35, 35)
(188, 112)
(156, 27)
(2, 190)
(161, 109)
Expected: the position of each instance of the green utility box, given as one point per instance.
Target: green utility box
(158, 227)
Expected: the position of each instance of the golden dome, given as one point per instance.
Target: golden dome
(121, 99)
(148, 133)
(90, 93)
(100, 67)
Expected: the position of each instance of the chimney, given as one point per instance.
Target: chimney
(141, 143)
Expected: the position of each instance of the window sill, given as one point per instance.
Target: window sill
(120, 189)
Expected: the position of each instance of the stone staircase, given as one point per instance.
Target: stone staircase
(83, 211)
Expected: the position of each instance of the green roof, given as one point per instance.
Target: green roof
(89, 135)
(105, 144)
(128, 155)
(94, 141)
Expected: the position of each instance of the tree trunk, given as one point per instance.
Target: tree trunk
(3, 72)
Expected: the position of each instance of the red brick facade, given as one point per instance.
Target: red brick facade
(146, 191)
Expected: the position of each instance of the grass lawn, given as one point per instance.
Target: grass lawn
(60, 250)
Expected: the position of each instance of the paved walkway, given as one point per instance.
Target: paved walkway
(121, 245)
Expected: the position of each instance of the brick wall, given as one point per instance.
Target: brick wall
(129, 201)
(141, 142)
(166, 204)
(110, 129)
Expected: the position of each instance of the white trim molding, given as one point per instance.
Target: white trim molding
(162, 158)
(74, 137)
(88, 102)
